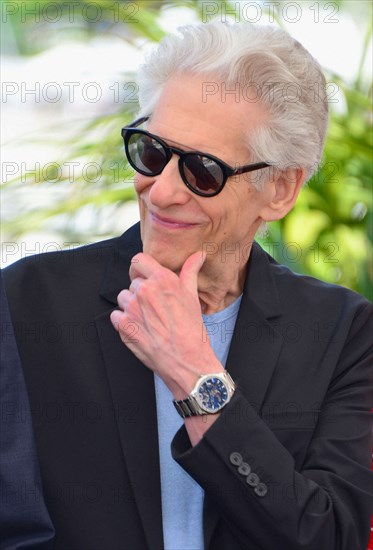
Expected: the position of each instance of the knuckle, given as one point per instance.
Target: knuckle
(142, 291)
(166, 277)
(136, 258)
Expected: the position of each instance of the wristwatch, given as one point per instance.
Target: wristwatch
(210, 394)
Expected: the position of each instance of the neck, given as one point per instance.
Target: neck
(220, 284)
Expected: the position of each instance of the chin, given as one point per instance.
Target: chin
(166, 256)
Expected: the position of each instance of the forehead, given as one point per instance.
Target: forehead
(214, 122)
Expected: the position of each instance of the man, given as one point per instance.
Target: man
(24, 520)
(164, 341)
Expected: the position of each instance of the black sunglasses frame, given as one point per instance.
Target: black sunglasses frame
(227, 170)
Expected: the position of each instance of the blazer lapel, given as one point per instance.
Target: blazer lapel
(132, 390)
(255, 347)
(256, 342)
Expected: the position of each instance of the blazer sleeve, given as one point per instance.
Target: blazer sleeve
(24, 519)
(326, 503)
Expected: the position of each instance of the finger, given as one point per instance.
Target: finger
(135, 284)
(116, 318)
(123, 299)
(143, 265)
(190, 270)
(126, 329)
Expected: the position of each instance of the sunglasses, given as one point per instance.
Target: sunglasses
(202, 173)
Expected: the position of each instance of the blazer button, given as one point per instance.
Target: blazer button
(244, 469)
(252, 479)
(236, 459)
(261, 489)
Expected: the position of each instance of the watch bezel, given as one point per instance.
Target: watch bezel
(203, 380)
(193, 405)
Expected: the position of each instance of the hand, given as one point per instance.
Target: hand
(165, 309)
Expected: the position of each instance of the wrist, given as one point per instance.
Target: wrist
(197, 426)
(185, 379)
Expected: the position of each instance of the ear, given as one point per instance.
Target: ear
(283, 191)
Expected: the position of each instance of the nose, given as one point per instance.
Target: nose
(168, 188)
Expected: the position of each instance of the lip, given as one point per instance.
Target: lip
(170, 222)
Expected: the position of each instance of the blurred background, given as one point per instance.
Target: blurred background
(69, 85)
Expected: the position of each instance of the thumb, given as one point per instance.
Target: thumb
(189, 272)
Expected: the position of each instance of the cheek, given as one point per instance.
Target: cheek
(141, 183)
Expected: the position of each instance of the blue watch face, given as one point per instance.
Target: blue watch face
(213, 394)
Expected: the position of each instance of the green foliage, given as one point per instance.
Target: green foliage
(327, 235)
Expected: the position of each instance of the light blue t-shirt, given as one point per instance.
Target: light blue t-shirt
(182, 497)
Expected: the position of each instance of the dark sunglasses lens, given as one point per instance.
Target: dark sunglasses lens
(146, 154)
(203, 174)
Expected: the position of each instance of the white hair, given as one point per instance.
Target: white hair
(288, 82)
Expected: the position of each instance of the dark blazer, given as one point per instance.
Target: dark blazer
(24, 519)
(299, 419)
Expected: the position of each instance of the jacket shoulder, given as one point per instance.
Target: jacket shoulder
(309, 291)
(67, 264)
(61, 264)
(305, 297)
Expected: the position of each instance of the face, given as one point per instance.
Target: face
(175, 222)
